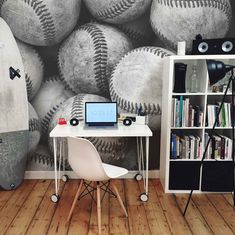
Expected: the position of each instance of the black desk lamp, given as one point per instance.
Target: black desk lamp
(216, 71)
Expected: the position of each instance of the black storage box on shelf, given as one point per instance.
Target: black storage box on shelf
(184, 175)
(217, 176)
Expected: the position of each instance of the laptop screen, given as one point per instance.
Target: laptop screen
(100, 113)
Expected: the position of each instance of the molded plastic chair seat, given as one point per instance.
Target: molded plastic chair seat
(114, 171)
(85, 161)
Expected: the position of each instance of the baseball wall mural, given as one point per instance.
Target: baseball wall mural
(175, 20)
(84, 50)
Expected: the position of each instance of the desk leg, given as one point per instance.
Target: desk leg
(147, 164)
(55, 197)
(144, 196)
(139, 175)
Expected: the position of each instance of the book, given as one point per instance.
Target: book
(192, 147)
(181, 111)
(187, 111)
(173, 150)
(212, 156)
(196, 115)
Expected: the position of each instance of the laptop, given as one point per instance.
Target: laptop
(101, 114)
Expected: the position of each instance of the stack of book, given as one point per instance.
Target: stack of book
(184, 114)
(220, 147)
(225, 115)
(185, 147)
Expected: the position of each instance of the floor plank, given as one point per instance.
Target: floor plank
(104, 216)
(195, 220)
(42, 219)
(210, 214)
(5, 196)
(21, 222)
(155, 216)
(79, 223)
(118, 222)
(178, 225)
(29, 210)
(137, 217)
(13, 205)
(59, 223)
(224, 208)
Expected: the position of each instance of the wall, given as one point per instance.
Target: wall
(87, 51)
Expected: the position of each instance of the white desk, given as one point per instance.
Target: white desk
(134, 130)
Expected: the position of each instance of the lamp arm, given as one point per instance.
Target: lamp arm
(229, 68)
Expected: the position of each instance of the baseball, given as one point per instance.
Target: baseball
(87, 57)
(141, 71)
(117, 11)
(40, 160)
(34, 129)
(48, 99)
(40, 23)
(175, 21)
(111, 150)
(33, 67)
(139, 30)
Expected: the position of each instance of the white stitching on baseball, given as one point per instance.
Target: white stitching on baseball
(115, 10)
(133, 35)
(100, 58)
(129, 105)
(45, 18)
(101, 55)
(77, 107)
(219, 4)
(67, 87)
(53, 79)
(47, 118)
(29, 85)
(34, 125)
(162, 37)
(45, 159)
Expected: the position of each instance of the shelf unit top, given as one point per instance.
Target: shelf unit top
(200, 57)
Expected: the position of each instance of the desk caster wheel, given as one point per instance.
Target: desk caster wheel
(65, 178)
(144, 197)
(55, 198)
(138, 177)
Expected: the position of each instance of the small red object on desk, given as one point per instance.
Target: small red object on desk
(62, 121)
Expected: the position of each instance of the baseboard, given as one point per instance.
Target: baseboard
(153, 174)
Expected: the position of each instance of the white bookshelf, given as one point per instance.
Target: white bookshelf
(173, 170)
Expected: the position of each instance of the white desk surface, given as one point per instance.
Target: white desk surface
(134, 130)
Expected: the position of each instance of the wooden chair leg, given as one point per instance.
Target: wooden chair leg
(119, 199)
(75, 200)
(98, 208)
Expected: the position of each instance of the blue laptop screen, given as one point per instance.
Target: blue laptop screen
(100, 113)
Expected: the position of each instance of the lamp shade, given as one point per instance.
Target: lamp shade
(217, 70)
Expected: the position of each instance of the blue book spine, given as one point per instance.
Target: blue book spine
(181, 111)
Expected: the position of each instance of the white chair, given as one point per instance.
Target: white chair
(86, 163)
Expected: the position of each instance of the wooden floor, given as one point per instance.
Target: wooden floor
(29, 210)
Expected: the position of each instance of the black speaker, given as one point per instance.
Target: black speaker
(213, 46)
(127, 122)
(74, 122)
